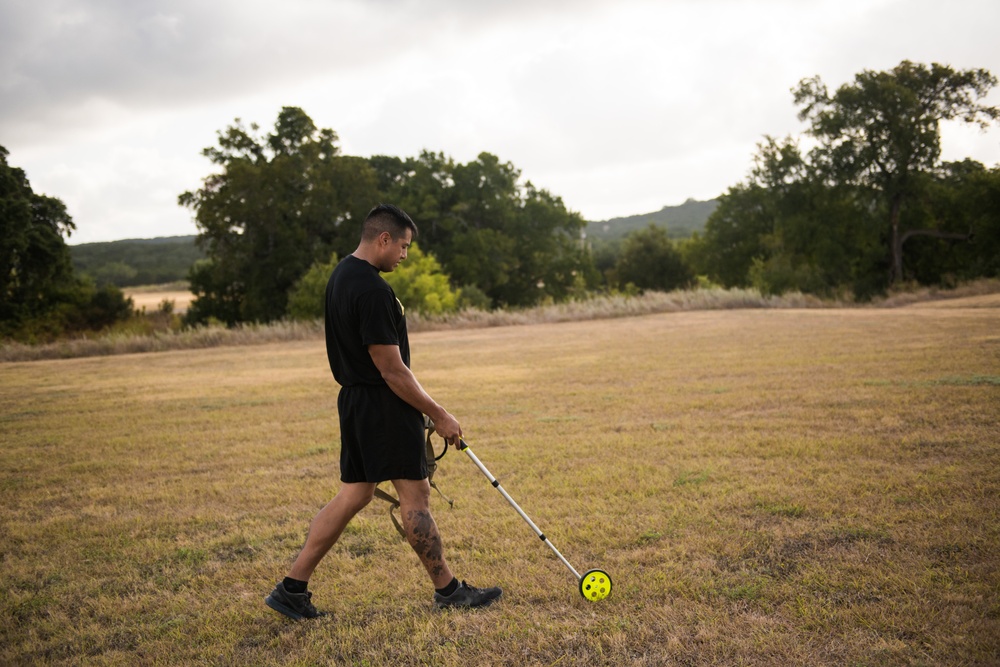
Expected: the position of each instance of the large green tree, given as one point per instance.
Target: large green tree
(786, 229)
(881, 133)
(40, 296)
(649, 260)
(961, 204)
(280, 202)
(517, 243)
(36, 271)
(837, 218)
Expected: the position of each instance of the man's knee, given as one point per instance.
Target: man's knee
(413, 493)
(356, 496)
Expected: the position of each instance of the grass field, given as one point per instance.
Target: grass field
(766, 487)
(151, 297)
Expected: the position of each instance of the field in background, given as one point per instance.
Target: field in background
(765, 487)
(151, 296)
(597, 307)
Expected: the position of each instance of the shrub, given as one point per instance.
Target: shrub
(306, 300)
(420, 284)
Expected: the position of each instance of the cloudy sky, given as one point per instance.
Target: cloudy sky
(618, 106)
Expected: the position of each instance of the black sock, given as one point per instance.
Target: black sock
(449, 589)
(295, 586)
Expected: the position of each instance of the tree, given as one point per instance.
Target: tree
(839, 216)
(40, 296)
(307, 299)
(787, 229)
(649, 260)
(754, 227)
(962, 203)
(882, 132)
(733, 236)
(279, 203)
(421, 285)
(418, 282)
(517, 243)
(35, 266)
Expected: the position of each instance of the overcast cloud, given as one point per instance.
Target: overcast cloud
(619, 107)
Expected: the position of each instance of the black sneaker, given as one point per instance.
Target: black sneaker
(293, 605)
(467, 596)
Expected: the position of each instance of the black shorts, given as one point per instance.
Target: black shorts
(381, 436)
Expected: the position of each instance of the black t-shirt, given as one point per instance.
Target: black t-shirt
(361, 310)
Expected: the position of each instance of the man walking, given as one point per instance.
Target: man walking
(381, 406)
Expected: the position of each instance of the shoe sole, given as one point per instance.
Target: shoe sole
(282, 609)
(487, 603)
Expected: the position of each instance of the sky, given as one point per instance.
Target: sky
(619, 107)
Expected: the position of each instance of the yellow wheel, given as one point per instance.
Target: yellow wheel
(595, 585)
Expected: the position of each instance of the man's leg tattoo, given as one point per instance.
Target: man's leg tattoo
(421, 531)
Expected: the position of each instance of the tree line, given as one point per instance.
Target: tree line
(287, 200)
(42, 296)
(284, 205)
(869, 205)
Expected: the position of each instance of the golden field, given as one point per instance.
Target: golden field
(150, 298)
(766, 487)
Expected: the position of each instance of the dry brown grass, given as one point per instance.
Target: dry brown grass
(162, 341)
(767, 487)
(596, 307)
(150, 297)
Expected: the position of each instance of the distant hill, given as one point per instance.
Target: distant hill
(134, 262)
(680, 221)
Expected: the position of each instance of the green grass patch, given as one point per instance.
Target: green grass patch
(691, 478)
(783, 509)
(971, 381)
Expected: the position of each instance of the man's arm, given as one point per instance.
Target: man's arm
(404, 384)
